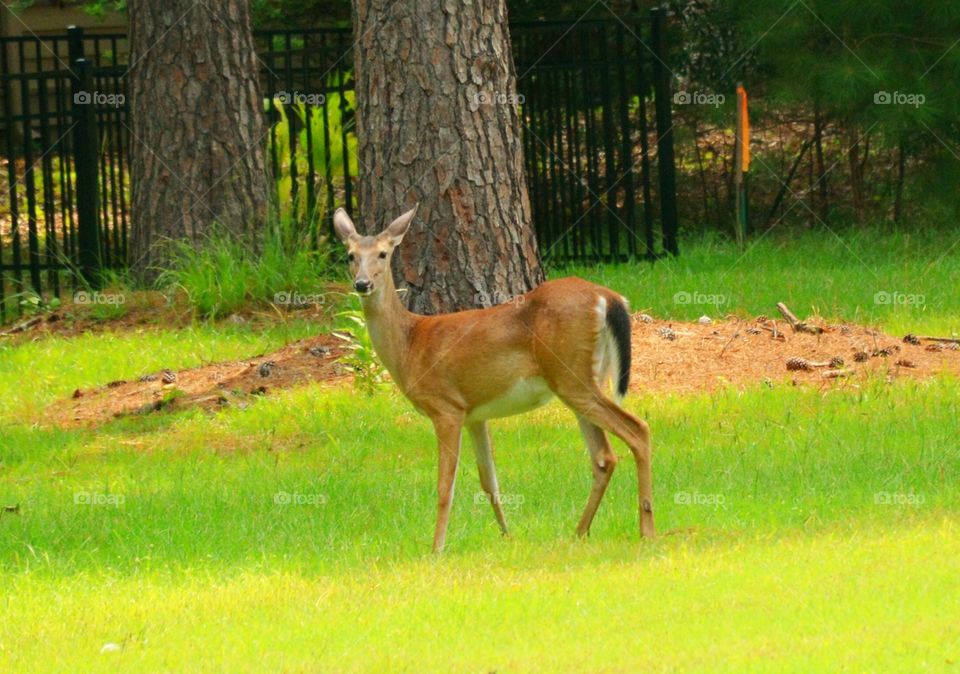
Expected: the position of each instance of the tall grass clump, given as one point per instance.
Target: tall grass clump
(224, 274)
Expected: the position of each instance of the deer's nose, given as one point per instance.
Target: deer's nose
(363, 286)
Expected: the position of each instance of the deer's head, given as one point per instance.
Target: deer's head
(369, 256)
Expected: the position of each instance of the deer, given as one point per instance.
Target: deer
(567, 338)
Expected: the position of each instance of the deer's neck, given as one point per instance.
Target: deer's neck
(389, 324)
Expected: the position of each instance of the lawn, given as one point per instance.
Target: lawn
(904, 282)
(802, 530)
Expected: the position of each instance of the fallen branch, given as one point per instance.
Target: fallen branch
(20, 327)
(730, 341)
(796, 323)
(774, 333)
(945, 340)
(834, 374)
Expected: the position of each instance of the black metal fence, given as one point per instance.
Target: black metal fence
(590, 140)
(586, 89)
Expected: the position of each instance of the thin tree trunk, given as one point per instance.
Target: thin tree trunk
(901, 175)
(819, 123)
(198, 128)
(437, 123)
(857, 161)
(785, 185)
(703, 174)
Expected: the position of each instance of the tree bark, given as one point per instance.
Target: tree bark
(197, 138)
(437, 123)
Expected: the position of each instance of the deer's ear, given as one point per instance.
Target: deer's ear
(399, 227)
(343, 225)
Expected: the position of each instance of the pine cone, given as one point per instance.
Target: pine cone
(168, 376)
(754, 331)
(667, 333)
(797, 363)
(911, 339)
(836, 362)
(934, 347)
(903, 362)
(861, 356)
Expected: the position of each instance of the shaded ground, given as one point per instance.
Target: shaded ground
(143, 310)
(668, 357)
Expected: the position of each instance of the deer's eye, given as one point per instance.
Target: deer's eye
(350, 256)
(383, 255)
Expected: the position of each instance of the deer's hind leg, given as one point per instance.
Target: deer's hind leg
(602, 462)
(488, 472)
(593, 405)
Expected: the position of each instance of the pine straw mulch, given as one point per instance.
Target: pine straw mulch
(668, 357)
(674, 357)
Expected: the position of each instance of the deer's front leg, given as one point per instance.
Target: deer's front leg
(448, 443)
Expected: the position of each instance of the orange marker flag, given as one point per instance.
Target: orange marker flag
(743, 128)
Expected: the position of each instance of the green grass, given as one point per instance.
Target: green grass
(905, 282)
(34, 374)
(778, 460)
(199, 568)
(803, 530)
(873, 601)
(226, 275)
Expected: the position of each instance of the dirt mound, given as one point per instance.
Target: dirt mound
(668, 357)
(210, 387)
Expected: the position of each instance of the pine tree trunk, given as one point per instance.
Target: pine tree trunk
(437, 124)
(197, 127)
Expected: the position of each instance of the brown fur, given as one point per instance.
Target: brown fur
(450, 365)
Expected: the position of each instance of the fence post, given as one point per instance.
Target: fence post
(85, 163)
(75, 43)
(662, 102)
